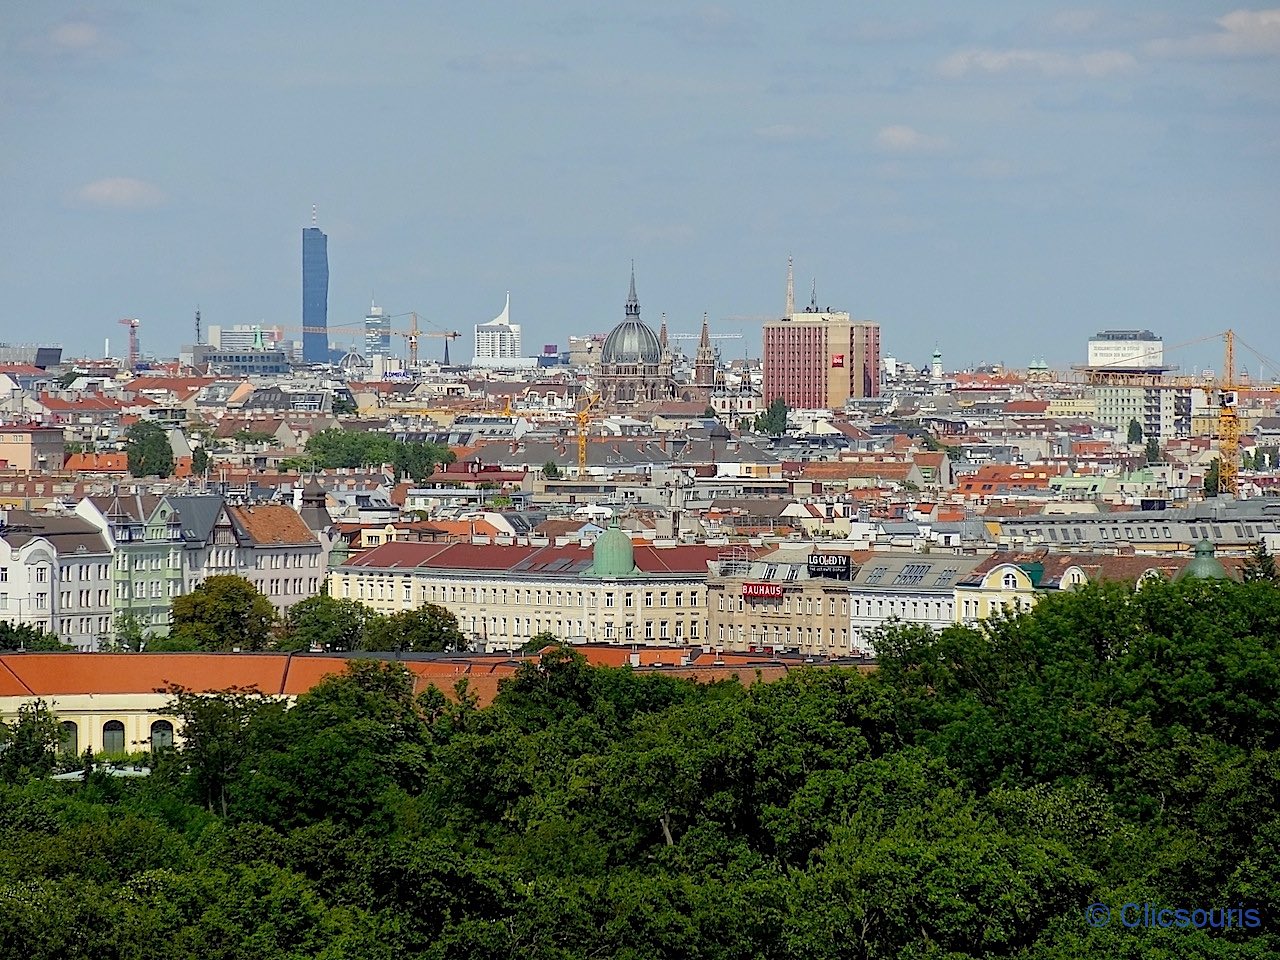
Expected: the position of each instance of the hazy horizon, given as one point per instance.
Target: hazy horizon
(998, 181)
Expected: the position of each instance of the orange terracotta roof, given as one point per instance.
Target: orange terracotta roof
(271, 524)
(97, 463)
(52, 674)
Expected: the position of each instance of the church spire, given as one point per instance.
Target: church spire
(662, 333)
(704, 364)
(633, 305)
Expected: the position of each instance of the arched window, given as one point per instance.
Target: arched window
(70, 737)
(113, 737)
(161, 735)
(1010, 581)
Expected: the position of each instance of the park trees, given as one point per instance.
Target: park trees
(416, 460)
(429, 628)
(326, 623)
(25, 636)
(774, 419)
(28, 744)
(148, 450)
(222, 613)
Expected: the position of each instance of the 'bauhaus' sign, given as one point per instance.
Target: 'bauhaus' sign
(771, 591)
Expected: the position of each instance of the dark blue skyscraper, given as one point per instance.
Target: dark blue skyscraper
(315, 294)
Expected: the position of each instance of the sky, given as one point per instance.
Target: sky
(997, 179)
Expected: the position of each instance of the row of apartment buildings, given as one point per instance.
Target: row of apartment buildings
(78, 571)
(821, 603)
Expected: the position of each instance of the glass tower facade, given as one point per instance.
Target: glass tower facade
(315, 295)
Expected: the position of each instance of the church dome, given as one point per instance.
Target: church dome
(1205, 566)
(613, 555)
(631, 342)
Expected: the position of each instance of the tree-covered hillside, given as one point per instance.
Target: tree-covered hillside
(973, 798)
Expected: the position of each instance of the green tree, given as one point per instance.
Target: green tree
(427, 629)
(774, 420)
(710, 413)
(1153, 450)
(148, 450)
(130, 635)
(550, 470)
(200, 461)
(28, 745)
(1211, 480)
(326, 623)
(1260, 566)
(539, 642)
(24, 636)
(1135, 432)
(215, 730)
(223, 613)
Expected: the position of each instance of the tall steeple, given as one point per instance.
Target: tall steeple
(662, 333)
(633, 305)
(704, 364)
(791, 290)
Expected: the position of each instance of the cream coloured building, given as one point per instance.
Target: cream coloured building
(780, 603)
(503, 595)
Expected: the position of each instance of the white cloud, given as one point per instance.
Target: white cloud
(1241, 33)
(1045, 62)
(75, 35)
(903, 139)
(120, 193)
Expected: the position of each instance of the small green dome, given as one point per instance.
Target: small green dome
(1205, 565)
(613, 555)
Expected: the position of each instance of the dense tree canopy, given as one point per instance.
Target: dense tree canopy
(222, 613)
(970, 799)
(774, 419)
(353, 448)
(148, 450)
(24, 636)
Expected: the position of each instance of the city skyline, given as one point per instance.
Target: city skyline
(1035, 177)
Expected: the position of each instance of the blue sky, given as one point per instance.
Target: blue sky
(1002, 179)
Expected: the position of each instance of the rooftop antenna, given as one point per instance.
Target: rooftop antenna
(313, 215)
(198, 325)
(813, 297)
(791, 290)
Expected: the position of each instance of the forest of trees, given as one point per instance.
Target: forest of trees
(973, 797)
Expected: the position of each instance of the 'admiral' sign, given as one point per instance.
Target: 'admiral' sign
(769, 591)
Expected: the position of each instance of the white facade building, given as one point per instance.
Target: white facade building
(498, 341)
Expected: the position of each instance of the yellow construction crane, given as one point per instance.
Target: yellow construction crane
(1229, 426)
(1228, 422)
(583, 417)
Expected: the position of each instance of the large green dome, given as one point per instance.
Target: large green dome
(613, 555)
(1204, 566)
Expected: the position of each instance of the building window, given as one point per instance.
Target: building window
(161, 735)
(1010, 581)
(70, 738)
(113, 737)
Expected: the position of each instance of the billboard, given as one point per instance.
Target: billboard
(835, 565)
(768, 591)
(837, 359)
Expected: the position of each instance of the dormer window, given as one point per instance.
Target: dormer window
(1010, 581)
